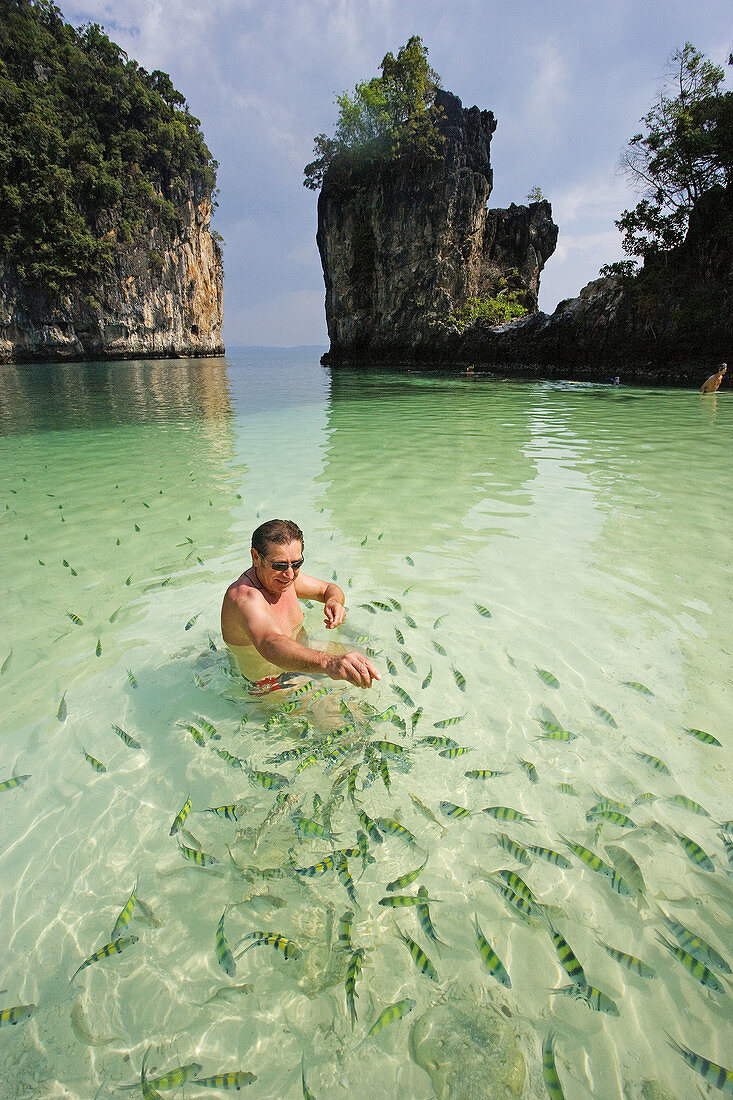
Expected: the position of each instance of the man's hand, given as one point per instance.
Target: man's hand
(334, 613)
(354, 668)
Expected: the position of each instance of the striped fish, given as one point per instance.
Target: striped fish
(395, 603)
(483, 611)
(411, 622)
(550, 856)
(352, 973)
(438, 742)
(696, 945)
(344, 930)
(226, 1080)
(491, 960)
(428, 678)
(181, 817)
(450, 809)
(567, 958)
(320, 868)
(270, 781)
(408, 661)
(439, 649)
(614, 817)
(388, 747)
(654, 762)
(112, 948)
(408, 878)
(618, 884)
(698, 970)
(641, 688)
(688, 804)
(370, 828)
(344, 875)
(416, 716)
(547, 678)
(14, 1015)
(454, 751)
(506, 813)
(717, 1075)
(13, 782)
(706, 738)
(224, 956)
(589, 995)
(459, 678)
(483, 773)
(423, 915)
(199, 859)
(445, 722)
(124, 736)
(386, 825)
(549, 1069)
(285, 946)
(126, 915)
(694, 852)
(531, 771)
(604, 715)
(422, 962)
(96, 764)
(388, 1016)
(516, 851)
(407, 699)
(630, 962)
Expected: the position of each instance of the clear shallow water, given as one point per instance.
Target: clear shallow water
(594, 525)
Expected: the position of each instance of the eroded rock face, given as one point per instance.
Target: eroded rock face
(155, 302)
(469, 1054)
(401, 249)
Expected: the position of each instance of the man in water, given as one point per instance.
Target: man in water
(262, 621)
(711, 384)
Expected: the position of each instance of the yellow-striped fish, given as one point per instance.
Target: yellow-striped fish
(698, 969)
(13, 782)
(226, 1081)
(224, 956)
(285, 946)
(491, 960)
(422, 962)
(388, 1016)
(112, 948)
(126, 915)
(706, 738)
(717, 1075)
(96, 764)
(75, 619)
(16, 1014)
(408, 878)
(630, 962)
(123, 735)
(181, 817)
(352, 973)
(200, 859)
(549, 1069)
(459, 678)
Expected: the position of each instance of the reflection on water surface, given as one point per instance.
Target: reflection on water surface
(524, 559)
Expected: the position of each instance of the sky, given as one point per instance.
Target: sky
(568, 82)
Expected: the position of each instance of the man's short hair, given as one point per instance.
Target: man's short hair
(279, 531)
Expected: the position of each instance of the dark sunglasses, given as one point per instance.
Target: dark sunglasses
(283, 566)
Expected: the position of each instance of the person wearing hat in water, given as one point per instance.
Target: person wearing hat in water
(711, 384)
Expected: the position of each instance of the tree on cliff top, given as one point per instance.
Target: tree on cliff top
(685, 149)
(387, 116)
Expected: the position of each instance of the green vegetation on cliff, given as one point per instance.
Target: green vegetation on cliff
(91, 148)
(685, 150)
(389, 118)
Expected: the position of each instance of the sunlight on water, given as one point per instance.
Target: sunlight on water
(523, 558)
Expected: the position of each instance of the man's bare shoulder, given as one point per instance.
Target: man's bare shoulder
(242, 593)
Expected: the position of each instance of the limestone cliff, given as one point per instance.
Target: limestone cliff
(157, 299)
(673, 322)
(401, 250)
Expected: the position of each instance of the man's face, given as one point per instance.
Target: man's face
(277, 581)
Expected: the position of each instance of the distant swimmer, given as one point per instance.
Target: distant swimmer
(262, 621)
(713, 382)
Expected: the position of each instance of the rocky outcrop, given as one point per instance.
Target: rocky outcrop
(161, 297)
(401, 249)
(671, 323)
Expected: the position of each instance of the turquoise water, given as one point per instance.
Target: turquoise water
(593, 523)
